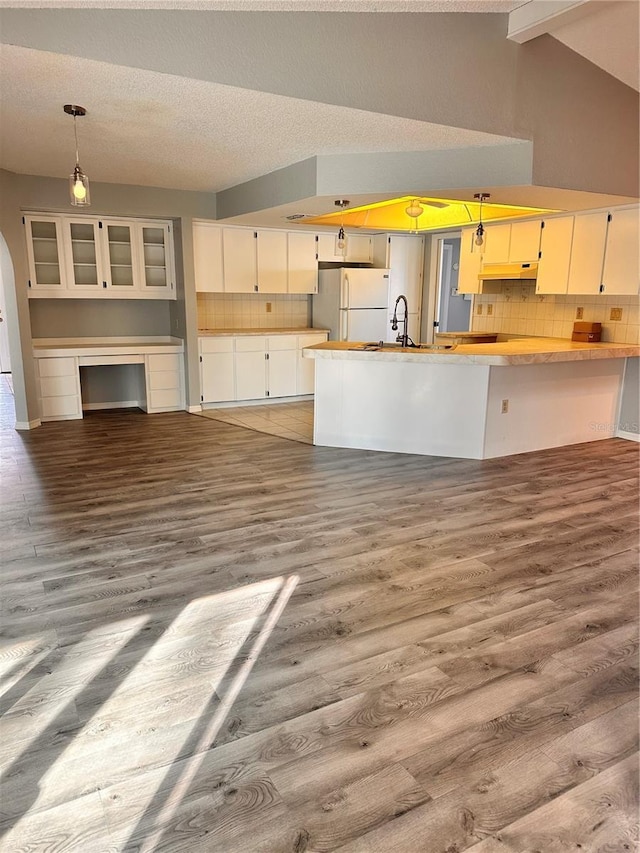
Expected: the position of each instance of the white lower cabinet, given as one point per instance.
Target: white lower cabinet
(254, 367)
(163, 380)
(59, 388)
(306, 366)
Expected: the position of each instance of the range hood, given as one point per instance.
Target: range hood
(513, 272)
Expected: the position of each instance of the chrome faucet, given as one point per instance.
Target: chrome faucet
(404, 337)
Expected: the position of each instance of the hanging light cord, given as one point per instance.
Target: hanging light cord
(75, 133)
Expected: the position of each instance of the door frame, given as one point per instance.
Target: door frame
(431, 284)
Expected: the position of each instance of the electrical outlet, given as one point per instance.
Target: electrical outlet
(268, 308)
(505, 407)
(479, 309)
(490, 308)
(615, 314)
(579, 313)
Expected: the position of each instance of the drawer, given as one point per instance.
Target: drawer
(251, 343)
(281, 342)
(165, 361)
(165, 399)
(216, 344)
(58, 386)
(57, 366)
(59, 407)
(164, 379)
(310, 340)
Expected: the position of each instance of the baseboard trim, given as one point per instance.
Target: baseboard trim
(629, 436)
(264, 401)
(24, 425)
(194, 410)
(121, 404)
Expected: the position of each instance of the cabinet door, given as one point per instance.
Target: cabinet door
(406, 260)
(271, 261)
(282, 372)
(251, 375)
(217, 377)
(328, 248)
(207, 258)
(306, 366)
(620, 275)
(555, 255)
(525, 241)
(497, 238)
(359, 249)
(155, 255)
(587, 253)
(85, 267)
(302, 264)
(470, 260)
(121, 260)
(45, 253)
(239, 259)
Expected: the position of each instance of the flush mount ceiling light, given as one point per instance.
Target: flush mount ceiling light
(78, 181)
(480, 229)
(341, 242)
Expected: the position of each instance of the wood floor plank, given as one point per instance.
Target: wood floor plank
(213, 639)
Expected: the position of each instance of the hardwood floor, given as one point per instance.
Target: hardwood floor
(219, 640)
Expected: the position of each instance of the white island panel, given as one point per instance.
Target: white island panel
(552, 405)
(401, 407)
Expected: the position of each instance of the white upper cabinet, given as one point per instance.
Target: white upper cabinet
(358, 248)
(555, 255)
(271, 252)
(45, 251)
(207, 257)
(620, 274)
(512, 243)
(587, 253)
(239, 258)
(496, 249)
(302, 263)
(524, 244)
(84, 257)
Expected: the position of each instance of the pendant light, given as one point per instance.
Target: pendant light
(78, 181)
(341, 241)
(480, 229)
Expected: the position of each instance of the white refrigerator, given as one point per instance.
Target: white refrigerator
(352, 303)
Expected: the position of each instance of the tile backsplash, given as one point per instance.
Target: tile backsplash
(517, 310)
(250, 311)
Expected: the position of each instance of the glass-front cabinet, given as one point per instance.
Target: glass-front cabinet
(82, 239)
(156, 263)
(107, 257)
(121, 259)
(46, 253)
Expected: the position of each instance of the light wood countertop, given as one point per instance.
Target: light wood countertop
(518, 351)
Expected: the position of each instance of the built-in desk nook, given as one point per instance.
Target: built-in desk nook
(75, 374)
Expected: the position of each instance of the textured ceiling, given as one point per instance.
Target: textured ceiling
(151, 129)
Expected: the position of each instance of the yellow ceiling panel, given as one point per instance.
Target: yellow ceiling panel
(436, 213)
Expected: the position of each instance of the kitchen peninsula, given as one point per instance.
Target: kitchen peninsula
(473, 401)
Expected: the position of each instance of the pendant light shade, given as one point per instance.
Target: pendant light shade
(480, 229)
(78, 182)
(341, 241)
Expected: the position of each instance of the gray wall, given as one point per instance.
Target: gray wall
(120, 317)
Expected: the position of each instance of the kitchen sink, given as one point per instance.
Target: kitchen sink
(382, 347)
